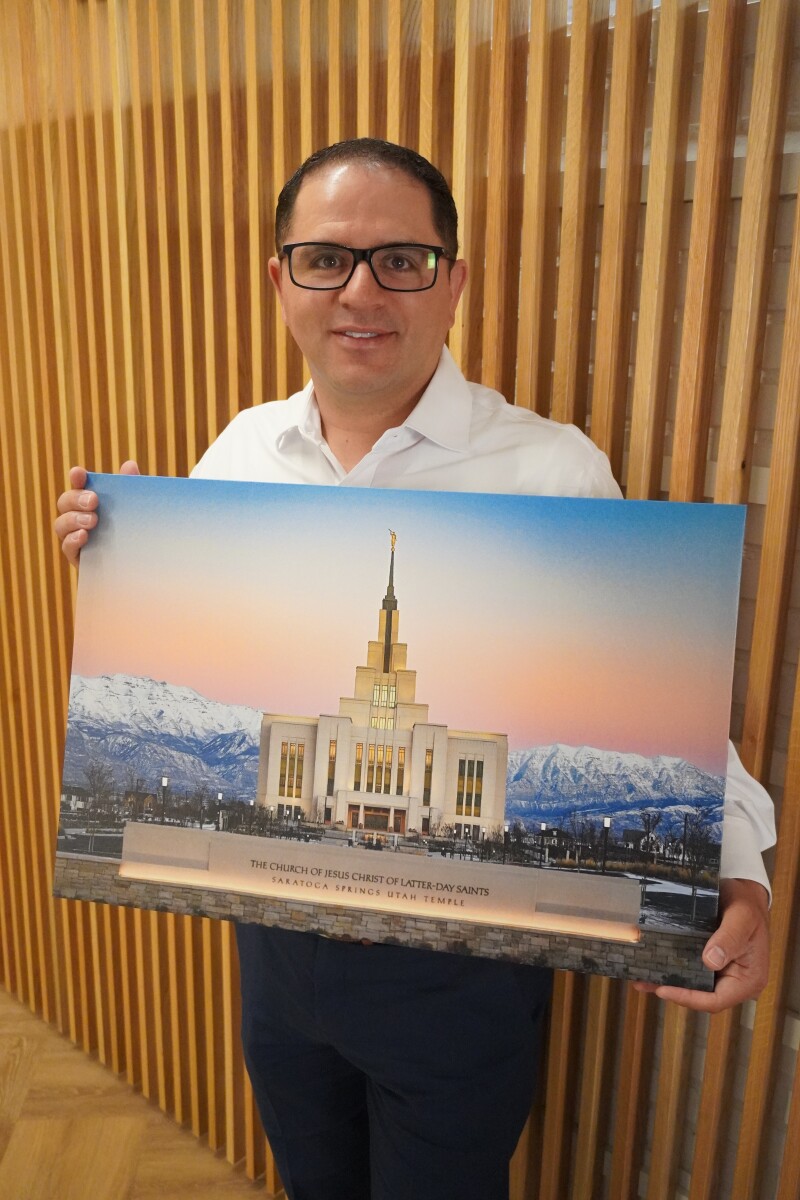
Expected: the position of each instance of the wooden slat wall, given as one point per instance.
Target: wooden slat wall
(628, 184)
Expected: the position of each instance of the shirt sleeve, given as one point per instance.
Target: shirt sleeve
(749, 826)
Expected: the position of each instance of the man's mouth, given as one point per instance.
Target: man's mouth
(362, 334)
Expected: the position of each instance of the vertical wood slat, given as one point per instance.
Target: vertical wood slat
(636, 1046)
(111, 411)
(253, 201)
(130, 445)
(168, 459)
(231, 305)
(306, 80)
(463, 166)
(231, 1019)
(620, 225)
(754, 251)
(666, 175)
(593, 1084)
(176, 1017)
(206, 259)
(212, 1009)
(364, 118)
(669, 1101)
(186, 334)
(44, 54)
(427, 80)
(497, 196)
(789, 1181)
(556, 1139)
(539, 205)
(711, 1114)
(581, 179)
(706, 247)
(96, 456)
(394, 71)
(141, 942)
(780, 533)
(279, 172)
(148, 442)
(335, 108)
(127, 994)
(71, 430)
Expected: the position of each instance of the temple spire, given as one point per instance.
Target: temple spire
(390, 606)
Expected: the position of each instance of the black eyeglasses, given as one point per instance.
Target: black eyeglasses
(401, 267)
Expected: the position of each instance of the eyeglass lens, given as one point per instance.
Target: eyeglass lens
(400, 268)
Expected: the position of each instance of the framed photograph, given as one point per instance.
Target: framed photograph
(487, 724)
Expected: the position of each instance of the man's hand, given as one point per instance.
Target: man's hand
(738, 951)
(77, 509)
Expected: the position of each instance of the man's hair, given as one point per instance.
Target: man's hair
(373, 152)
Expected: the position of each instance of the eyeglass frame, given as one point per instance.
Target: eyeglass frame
(360, 256)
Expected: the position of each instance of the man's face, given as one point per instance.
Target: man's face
(356, 205)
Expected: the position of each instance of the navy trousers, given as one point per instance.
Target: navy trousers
(383, 1072)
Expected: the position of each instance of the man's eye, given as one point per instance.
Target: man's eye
(400, 261)
(326, 262)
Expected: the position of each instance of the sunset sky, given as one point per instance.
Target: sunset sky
(594, 622)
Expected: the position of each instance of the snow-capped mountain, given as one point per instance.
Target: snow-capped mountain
(148, 729)
(546, 783)
(152, 729)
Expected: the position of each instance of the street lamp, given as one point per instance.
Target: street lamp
(164, 786)
(606, 827)
(542, 832)
(506, 840)
(219, 811)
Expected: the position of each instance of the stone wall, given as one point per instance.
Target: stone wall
(658, 957)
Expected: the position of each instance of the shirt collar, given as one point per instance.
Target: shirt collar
(443, 413)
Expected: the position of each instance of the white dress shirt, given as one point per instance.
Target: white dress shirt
(463, 437)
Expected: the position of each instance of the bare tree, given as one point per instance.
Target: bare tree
(133, 786)
(201, 802)
(650, 821)
(699, 846)
(100, 783)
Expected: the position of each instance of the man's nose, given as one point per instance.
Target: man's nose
(362, 284)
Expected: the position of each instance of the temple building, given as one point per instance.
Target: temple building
(380, 763)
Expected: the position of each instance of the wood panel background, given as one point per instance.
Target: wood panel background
(627, 178)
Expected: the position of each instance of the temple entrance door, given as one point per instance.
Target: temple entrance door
(376, 818)
(353, 816)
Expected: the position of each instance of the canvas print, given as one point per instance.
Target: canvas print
(486, 723)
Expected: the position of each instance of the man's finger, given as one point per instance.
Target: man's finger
(77, 477)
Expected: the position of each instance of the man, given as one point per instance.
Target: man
(380, 1071)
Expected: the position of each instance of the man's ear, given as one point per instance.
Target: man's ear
(457, 282)
(276, 278)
